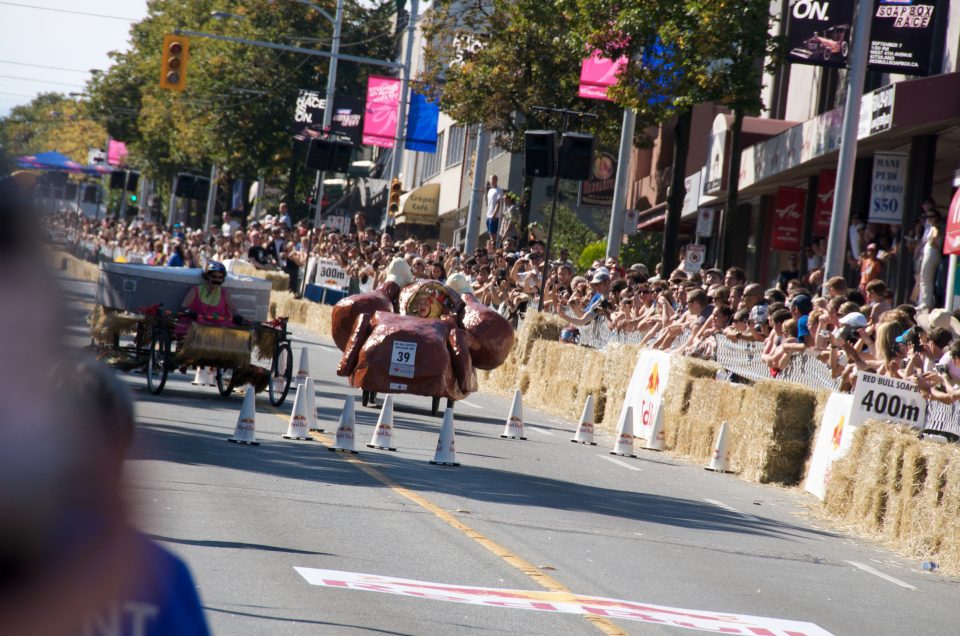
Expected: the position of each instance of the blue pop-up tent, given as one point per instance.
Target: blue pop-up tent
(53, 160)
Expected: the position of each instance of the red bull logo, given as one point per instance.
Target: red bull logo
(838, 433)
(653, 382)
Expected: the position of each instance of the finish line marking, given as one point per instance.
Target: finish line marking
(886, 577)
(546, 581)
(564, 603)
(619, 462)
(720, 504)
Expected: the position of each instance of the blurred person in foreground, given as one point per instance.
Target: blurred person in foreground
(70, 563)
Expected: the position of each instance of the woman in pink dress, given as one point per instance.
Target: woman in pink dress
(208, 303)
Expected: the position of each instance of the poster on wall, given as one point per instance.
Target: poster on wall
(887, 187)
(819, 32)
(786, 227)
(903, 34)
(598, 189)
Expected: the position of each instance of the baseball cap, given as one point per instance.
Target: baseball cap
(854, 319)
(802, 303)
(600, 276)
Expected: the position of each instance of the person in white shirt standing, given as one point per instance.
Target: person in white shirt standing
(494, 207)
(931, 245)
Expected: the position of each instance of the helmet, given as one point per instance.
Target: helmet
(214, 267)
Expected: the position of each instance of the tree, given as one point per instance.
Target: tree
(50, 121)
(569, 231)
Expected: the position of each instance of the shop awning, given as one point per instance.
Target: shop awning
(420, 206)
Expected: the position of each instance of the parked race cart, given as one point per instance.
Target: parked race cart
(157, 340)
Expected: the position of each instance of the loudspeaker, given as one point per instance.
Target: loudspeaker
(118, 178)
(90, 193)
(133, 178)
(576, 156)
(201, 189)
(184, 186)
(539, 152)
(329, 155)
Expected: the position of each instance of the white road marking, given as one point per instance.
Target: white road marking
(470, 404)
(720, 504)
(542, 431)
(886, 577)
(619, 463)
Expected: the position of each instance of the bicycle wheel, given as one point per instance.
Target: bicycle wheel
(281, 374)
(158, 362)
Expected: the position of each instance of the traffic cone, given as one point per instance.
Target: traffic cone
(446, 454)
(383, 434)
(343, 440)
(202, 377)
(303, 372)
(313, 420)
(655, 438)
(584, 434)
(299, 427)
(624, 443)
(720, 461)
(513, 429)
(245, 433)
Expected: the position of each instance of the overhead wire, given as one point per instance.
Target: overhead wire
(24, 5)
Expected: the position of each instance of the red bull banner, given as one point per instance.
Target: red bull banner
(823, 209)
(645, 392)
(380, 114)
(786, 226)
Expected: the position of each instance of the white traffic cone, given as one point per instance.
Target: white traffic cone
(446, 454)
(383, 434)
(624, 443)
(246, 431)
(202, 377)
(655, 437)
(584, 434)
(303, 371)
(720, 461)
(513, 429)
(299, 426)
(346, 429)
(313, 420)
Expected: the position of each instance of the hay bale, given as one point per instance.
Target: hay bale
(107, 326)
(901, 490)
(513, 372)
(781, 420)
(279, 281)
(215, 346)
(619, 362)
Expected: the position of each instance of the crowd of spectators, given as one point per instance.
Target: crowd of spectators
(846, 327)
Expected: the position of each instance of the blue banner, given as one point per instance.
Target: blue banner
(422, 119)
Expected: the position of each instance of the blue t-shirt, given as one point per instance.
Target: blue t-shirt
(175, 260)
(802, 329)
(165, 600)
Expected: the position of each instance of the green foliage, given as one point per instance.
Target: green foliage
(642, 247)
(568, 231)
(50, 121)
(595, 251)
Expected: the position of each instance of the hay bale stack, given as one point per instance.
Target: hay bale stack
(76, 268)
(710, 403)
(780, 420)
(619, 361)
(279, 281)
(562, 376)
(284, 303)
(514, 373)
(901, 489)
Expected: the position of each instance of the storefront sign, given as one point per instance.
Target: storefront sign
(598, 189)
(888, 187)
(951, 245)
(787, 223)
(876, 112)
(823, 207)
(705, 222)
(421, 206)
(903, 34)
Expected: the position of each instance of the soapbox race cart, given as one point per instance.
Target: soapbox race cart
(156, 340)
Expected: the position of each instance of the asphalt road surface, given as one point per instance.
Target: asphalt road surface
(541, 514)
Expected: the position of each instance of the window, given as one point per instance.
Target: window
(431, 161)
(455, 145)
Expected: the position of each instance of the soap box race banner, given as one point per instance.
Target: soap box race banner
(562, 602)
(645, 391)
(875, 398)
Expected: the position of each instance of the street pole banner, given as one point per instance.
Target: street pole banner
(422, 120)
(116, 152)
(705, 222)
(308, 115)
(952, 243)
(693, 258)
(563, 603)
(887, 187)
(786, 230)
(597, 74)
(823, 207)
(903, 34)
(380, 114)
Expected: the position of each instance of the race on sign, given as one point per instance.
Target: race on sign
(877, 397)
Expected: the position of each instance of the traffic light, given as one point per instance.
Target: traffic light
(173, 62)
(133, 199)
(393, 208)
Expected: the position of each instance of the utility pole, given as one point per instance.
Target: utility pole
(328, 105)
(615, 233)
(397, 159)
(476, 199)
(211, 198)
(840, 219)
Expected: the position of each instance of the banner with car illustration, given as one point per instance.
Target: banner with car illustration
(901, 40)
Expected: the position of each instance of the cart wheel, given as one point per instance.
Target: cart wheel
(224, 376)
(435, 406)
(158, 362)
(281, 374)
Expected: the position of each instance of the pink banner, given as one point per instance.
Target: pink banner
(597, 74)
(380, 114)
(116, 152)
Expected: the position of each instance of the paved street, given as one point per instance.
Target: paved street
(652, 530)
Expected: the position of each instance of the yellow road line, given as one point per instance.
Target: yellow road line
(545, 581)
